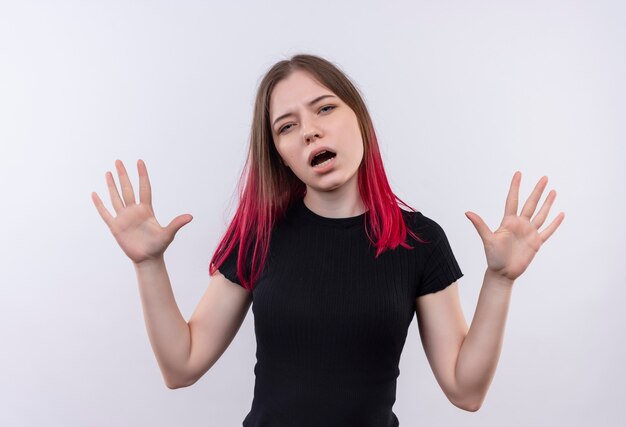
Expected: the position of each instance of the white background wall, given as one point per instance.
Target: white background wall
(462, 95)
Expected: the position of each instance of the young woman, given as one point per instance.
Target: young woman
(335, 268)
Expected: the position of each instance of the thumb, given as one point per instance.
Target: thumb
(178, 222)
(479, 224)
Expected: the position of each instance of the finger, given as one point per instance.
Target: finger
(178, 222)
(510, 208)
(115, 196)
(531, 204)
(545, 234)
(145, 190)
(479, 224)
(541, 216)
(127, 188)
(104, 213)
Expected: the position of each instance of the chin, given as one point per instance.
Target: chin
(328, 185)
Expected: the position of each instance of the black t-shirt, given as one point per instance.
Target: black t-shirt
(331, 320)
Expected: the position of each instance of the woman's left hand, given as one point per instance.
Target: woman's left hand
(512, 247)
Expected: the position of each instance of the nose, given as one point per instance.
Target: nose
(311, 129)
(311, 135)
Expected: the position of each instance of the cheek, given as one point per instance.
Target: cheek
(352, 128)
(353, 134)
(281, 147)
(286, 154)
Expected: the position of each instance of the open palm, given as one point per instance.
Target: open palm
(135, 227)
(511, 248)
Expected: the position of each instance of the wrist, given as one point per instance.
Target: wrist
(496, 279)
(150, 264)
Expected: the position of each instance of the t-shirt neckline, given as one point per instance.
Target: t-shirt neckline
(342, 222)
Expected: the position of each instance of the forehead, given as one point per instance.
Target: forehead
(298, 88)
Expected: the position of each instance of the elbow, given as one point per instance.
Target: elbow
(468, 403)
(174, 384)
(471, 407)
(181, 378)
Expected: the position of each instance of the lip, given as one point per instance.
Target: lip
(326, 167)
(319, 150)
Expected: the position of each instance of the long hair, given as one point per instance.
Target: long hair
(271, 188)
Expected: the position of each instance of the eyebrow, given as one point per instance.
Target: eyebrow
(319, 98)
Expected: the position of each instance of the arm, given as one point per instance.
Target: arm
(186, 351)
(464, 361)
(479, 354)
(168, 331)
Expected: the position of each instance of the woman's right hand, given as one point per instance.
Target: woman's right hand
(135, 227)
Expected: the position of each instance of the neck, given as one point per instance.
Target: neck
(343, 202)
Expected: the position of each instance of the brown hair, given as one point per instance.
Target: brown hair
(271, 187)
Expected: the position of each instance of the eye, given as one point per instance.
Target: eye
(324, 108)
(283, 128)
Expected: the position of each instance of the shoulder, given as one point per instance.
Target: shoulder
(423, 226)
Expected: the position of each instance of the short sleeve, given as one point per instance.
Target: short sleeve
(229, 266)
(440, 266)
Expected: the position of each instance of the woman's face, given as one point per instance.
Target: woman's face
(305, 117)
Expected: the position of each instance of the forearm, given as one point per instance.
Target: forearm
(480, 351)
(167, 329)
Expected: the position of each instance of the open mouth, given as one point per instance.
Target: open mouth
(322, 158)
